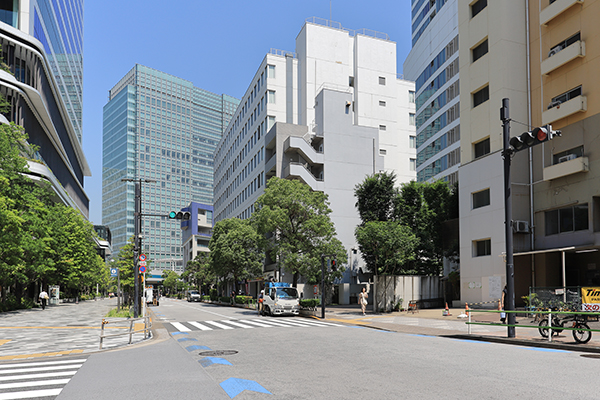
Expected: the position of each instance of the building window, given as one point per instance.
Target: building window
(382, 127)
(482, 248)
(383, 152)
(270, 71)
(481, 96)
(411, 119)
(564, 44)
(351, 81)
(412, 142)
(271, 122)
(568, 219)
(561, 98)
(382, 103)
(480, 50)
(477, 7)
(271, 97)
(412, 164)
(481, 199)
(567, 155)
(382, 80)
(481, 148)
(411, 96)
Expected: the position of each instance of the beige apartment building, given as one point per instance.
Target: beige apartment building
(543, 56)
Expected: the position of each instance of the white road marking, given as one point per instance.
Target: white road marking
(34, 383)
(37, 364)
(31, 376)
(30, 394)
(284, 324)
(258, 324)
(180, 327)
(237, 323)
(218, 325)
(200, 326)
(12, 371)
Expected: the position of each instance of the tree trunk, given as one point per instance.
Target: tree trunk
(295, 279)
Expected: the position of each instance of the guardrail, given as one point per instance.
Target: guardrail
(130, 331)
(547, 322)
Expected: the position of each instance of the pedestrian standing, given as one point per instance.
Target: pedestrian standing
(43, 298)
(261, 297)
(362, 300)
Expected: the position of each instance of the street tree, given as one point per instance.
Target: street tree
(375, 197)
(234, 250)
(198, 271)
(171, 281)
(387, 247)
(296, 222)
(423, 207)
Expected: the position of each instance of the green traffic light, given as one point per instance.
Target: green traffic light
(172, 214)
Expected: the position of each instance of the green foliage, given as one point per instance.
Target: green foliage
(123, 313)
(171, 281)
(375, 197)
(387, 247)
(310, 303)
(234, 251)
(199, 271)
(297, 220)
(243, 299)
(205, 298)
(213, 294)
(40, 241)
(224, 299)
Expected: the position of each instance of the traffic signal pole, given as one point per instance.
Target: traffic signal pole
(510, 268)
(136, 247)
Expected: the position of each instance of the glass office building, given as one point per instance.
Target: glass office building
(58, 24)
(159, 127)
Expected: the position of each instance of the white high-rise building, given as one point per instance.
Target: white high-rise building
(329, 114)
(433, 65)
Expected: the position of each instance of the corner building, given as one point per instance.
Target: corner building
(162, 128)
(329, 114)
(42, 45)
(542, 55)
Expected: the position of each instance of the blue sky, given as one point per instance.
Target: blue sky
(217, 45)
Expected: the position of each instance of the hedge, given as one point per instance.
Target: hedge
(310, 303)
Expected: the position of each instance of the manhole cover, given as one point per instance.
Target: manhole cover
(217, 353)
(591, 355)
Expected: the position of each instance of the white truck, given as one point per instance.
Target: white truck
(280, 299)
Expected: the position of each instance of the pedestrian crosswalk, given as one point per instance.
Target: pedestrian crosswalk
(38, 379)
(227, 324)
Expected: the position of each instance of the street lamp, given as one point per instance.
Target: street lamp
(137, 240)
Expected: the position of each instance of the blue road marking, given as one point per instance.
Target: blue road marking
(205, 362)
(187, 339)
(196, 347)
(179, 333)
(470, 341)
(548, 350)
(414, 334)
(235, 386)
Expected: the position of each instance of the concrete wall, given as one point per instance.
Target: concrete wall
(389, 290)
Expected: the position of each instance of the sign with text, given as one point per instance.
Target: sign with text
(590, 299)
(114, 272)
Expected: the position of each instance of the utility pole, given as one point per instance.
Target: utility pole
(510, 268)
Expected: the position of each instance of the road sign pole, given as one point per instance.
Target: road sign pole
(118, 289)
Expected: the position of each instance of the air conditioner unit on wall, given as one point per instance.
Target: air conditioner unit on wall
(521, 227)
(568, 157)
(555, 50)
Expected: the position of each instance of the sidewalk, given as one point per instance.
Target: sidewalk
(66, 328)
(431, 322)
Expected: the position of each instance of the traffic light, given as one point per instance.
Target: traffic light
(184, 215)
(536, 136)
(333, 265)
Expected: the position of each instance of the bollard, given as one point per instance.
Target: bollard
(130, 330)
(550, 326)
(469, 323)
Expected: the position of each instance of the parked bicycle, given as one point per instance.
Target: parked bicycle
(581, 332)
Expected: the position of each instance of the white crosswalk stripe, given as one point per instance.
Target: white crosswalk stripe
(28, 380)
(228, 324)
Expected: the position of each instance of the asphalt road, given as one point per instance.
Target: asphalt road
(317, 361)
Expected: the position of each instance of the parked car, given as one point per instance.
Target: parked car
(194, 295)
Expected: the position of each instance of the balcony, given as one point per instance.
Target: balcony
(299, 171)
(570, 167)
(555, 9)
(563, 110)
(562, 57)
(302, 147)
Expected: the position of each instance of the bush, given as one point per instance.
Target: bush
(205, 298)
(243, 299)
(225, 299)
(213, 294)
(123, 313)
(310, 303)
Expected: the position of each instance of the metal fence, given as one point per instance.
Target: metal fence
(126, 330)
(557, 298)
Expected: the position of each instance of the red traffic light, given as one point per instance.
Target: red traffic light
(533, 137)
(541, 133)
